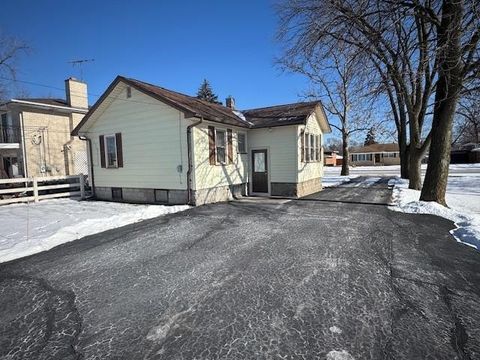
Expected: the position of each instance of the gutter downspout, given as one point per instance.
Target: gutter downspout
(190, 160)
(90, 161)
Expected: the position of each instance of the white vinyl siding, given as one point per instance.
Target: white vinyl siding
(281, 143)
(311, 168)
(205, 175)
(153, 142)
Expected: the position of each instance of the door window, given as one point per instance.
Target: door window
(259, 162)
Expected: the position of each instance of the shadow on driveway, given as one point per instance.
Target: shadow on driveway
(361, 190)
(298, 279)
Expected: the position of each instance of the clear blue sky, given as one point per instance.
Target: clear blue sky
(175, 44)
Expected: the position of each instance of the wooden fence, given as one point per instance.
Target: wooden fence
(36, 189)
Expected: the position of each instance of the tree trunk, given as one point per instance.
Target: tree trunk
(346, 156)
(404, 174)
(446, 97)
(403, 148)
(414, 169)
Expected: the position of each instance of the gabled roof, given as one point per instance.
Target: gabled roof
(193, 105)
(374, 148)
(289, 114)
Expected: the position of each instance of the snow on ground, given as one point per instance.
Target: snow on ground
(32, 228)
(329, 180)
(457, 169)
(463, 199)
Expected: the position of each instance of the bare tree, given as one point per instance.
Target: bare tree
(423, 52)
(467, 121)
(336, 81)
(334, 144)
(458, 57)
(10, 49)
(397, 43)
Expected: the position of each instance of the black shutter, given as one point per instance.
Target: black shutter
(102, 151)
(118, 142)
(230, 146)
(211, 145)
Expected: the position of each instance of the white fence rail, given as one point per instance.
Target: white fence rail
(36, 189)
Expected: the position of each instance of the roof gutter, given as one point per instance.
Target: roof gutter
(190, 160)
(24, 102)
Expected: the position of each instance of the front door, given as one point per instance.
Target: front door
(259, 171)
(377, 158)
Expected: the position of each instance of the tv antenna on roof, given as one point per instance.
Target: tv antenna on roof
(79, 63)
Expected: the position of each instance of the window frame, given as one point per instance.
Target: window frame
(225, 146)
(244, 134)
(307, 146)
(318, 149)
(107, 164)
(312, 147)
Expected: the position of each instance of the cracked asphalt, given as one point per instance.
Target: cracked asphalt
(277, 279)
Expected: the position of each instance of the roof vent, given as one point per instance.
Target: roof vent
(230, 102)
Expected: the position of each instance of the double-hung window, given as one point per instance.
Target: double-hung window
(312, 147)
(111, 151)
(242, 143)
(221, 146)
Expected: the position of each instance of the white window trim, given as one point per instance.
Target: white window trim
(106, 151)
(308, 147)
(226, 146)
(246, 147)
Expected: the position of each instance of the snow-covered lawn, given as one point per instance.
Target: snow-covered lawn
(463, 199)
(457, 169)
(331, 180)
(31, 228)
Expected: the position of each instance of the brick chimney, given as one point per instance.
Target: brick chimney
(230, 102)
(76, 92)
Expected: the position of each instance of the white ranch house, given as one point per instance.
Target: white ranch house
(153, 145)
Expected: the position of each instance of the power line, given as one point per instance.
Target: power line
(80, 95)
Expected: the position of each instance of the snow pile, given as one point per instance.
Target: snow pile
(463, 198)
(330, 181)
(33, 228)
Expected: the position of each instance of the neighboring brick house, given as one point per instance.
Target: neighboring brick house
(331, 158)
(151, 144)
(35, 135)
(375, 154)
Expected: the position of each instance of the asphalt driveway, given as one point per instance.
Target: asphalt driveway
(243, 280)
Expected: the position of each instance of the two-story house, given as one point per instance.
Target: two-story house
(35, 135)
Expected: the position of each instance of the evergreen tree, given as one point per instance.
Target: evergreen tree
(370, 139)
(205, 92)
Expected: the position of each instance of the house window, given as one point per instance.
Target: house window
(129, 92)
(111, 151)
(220, 146)
(390, 155)
(312, 147)
(319, 146)
(242, 143)
(362, 157)
(307, 147)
